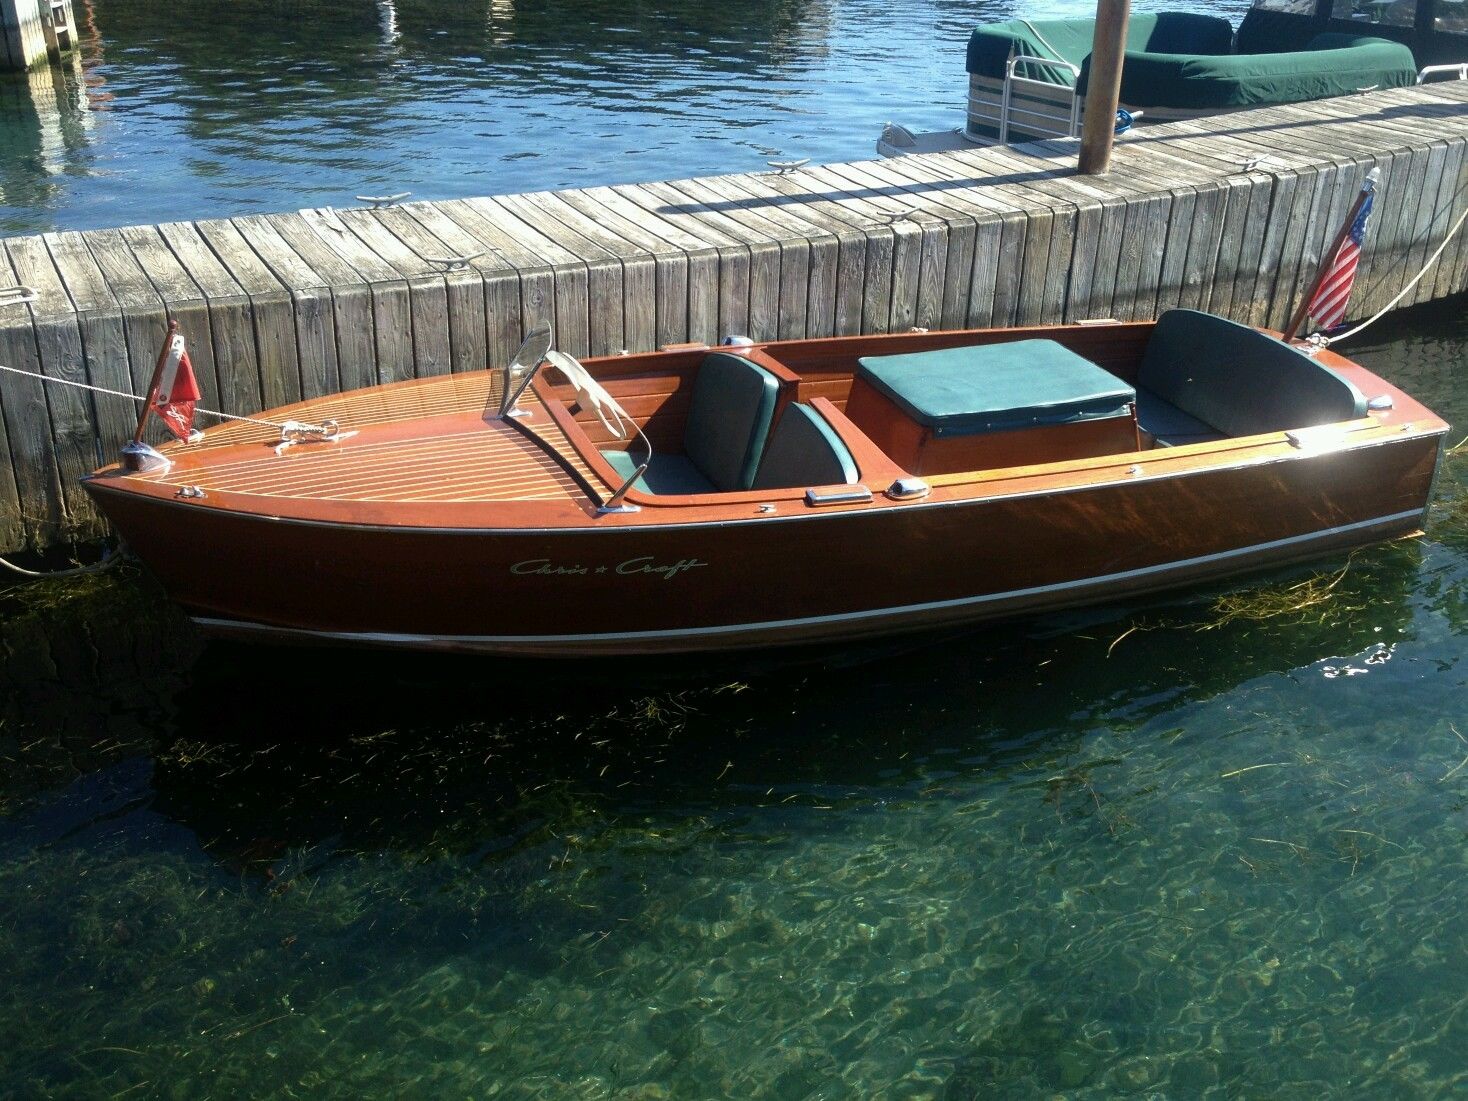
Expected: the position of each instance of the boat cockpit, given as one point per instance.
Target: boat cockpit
(896, 410)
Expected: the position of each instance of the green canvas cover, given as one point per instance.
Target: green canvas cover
(1334, 65)
(1070, 40)
(1265, 32)
(996, 387)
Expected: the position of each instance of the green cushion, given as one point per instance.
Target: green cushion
(665, 473)
(996, 387)
(729, 419)
(989, 46)
(1238, 380)
(1335, 65)
(804, 451)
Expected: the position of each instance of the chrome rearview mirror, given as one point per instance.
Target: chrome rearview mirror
(521, 369)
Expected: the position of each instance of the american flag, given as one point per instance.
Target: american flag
(1328, 306)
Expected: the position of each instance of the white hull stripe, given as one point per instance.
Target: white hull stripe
(538, 641)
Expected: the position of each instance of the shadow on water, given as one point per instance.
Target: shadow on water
(368, 748)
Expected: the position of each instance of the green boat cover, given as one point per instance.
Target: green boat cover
(1332, 65)
(1070, 40)
(996, 387)
(1264, 31)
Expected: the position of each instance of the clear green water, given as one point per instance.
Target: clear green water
(199, 109)
(1193, 860)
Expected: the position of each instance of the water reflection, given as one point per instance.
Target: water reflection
(257, 105)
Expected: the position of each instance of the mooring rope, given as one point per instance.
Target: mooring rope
(278, 425)
(109, 559)
(1374, 318)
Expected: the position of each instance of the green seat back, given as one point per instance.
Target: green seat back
(729, 420)
(1239, 380)
(805, 451)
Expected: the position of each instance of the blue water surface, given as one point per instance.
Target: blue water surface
(195, 108)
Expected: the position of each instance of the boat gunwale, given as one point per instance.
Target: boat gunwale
(657, 510)
(1279, 452)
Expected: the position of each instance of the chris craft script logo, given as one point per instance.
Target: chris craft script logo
(544, 567)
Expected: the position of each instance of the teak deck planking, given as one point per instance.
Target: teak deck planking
(283, 307)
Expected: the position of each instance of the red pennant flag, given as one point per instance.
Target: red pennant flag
(178, 390)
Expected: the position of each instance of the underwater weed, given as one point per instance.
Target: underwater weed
(1303, 598)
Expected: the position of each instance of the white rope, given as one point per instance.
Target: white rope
(1328, 340)
(108, 560)
(134, 397)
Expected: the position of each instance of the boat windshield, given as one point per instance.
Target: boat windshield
(516, 374)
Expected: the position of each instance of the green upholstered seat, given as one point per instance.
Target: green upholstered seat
(804, 451)
(996, 387)
(1168, 425)
(1236, 380)
(665, 474)
(729, 419)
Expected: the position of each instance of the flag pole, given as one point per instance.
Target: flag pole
(157, 381)
(1327, 258)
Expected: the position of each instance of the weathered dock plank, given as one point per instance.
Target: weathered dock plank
(1229, 213)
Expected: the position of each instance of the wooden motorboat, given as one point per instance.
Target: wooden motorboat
(779, 493)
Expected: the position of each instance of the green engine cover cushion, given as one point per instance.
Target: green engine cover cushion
(1238, 380)
(1334, 65)
(804, 451)
(996, 387)
(729, 420)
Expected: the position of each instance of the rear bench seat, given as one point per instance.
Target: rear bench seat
(1205, 378)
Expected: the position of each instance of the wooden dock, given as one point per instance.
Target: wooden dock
(283, 306)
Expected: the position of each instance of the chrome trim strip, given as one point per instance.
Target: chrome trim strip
(534, 641)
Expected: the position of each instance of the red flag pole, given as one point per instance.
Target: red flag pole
(1327, 259)
(157, 381)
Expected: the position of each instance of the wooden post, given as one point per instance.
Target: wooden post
(1103, 89)
(24, 42)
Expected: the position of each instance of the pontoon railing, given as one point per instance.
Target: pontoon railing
(1012, 80)
(1460, 72)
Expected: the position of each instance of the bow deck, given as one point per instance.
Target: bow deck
(418, 441)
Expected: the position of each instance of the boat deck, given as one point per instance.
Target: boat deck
(448, 453)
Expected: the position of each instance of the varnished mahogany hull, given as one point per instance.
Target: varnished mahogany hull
(797, 576)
